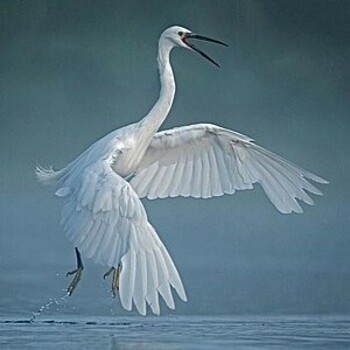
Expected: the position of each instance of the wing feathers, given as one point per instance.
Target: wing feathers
(140, 284)
(216, 177)
(223, 170)
(197, 177)
(205, 160)
(174, 277)
(152, 280)
(165, 186)
(187, 177)
(107, 222)
(176, 180)
(127, 279)
(206, 192)
(163, 275)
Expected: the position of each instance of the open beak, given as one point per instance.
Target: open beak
(189, 36)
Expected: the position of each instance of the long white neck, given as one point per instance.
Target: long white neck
(156, 116)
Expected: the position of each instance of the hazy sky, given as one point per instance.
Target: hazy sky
(71, 71)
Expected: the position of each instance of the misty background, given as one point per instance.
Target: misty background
(72, 71)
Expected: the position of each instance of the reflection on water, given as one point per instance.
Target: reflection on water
(184, 332)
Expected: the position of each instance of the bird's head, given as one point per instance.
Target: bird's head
(177, 36)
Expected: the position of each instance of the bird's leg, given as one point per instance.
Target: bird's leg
(77, 273)
(115, 279)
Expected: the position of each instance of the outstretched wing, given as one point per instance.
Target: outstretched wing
(106, 220)
(205, 160)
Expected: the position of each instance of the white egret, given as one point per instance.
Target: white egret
(103, 215)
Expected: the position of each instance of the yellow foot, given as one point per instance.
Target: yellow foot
(115, 279)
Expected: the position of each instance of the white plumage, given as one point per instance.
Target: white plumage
(102, 213)
(206, 160)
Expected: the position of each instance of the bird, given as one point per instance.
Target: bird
(102, 188)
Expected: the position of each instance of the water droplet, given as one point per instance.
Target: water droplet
(45, 307)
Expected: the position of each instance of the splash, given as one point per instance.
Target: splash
(47, 306)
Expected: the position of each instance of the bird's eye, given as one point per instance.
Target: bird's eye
(180, 33)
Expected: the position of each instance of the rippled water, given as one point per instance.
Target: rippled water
(184, 332)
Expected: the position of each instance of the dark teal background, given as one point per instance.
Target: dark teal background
(71, 71)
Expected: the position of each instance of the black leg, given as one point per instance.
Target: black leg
(77, 273)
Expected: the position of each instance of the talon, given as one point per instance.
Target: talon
(71, 272)
(108, 273)
(77, 273)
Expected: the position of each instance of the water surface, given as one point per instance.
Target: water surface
(176, 332)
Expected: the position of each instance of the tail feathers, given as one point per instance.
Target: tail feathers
(48, 176)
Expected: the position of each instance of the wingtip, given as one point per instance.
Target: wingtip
(320, 180)
(142, 312)
(182, 296)
(157, 313)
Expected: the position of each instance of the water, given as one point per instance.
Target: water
(175, 332)
(36, 314)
